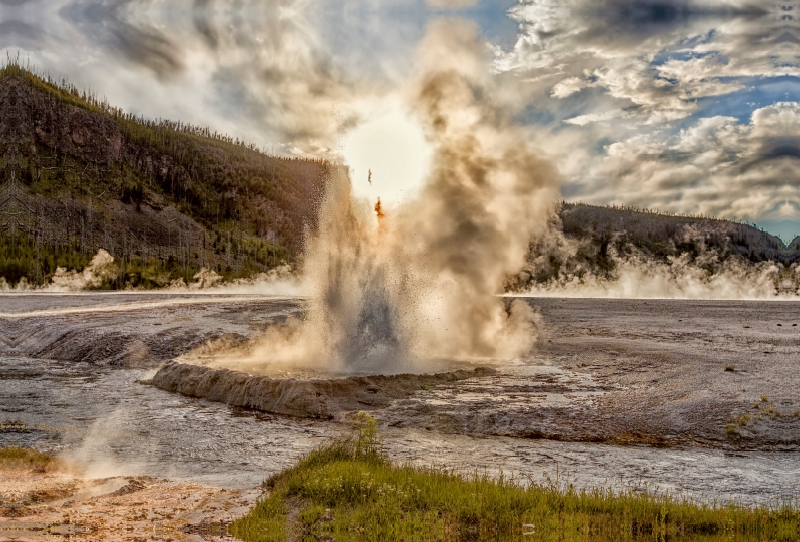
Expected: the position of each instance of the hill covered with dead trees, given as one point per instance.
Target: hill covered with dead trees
(163, 198)
(594, 240)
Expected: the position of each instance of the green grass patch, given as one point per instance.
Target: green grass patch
(19, 458)
(348, 490)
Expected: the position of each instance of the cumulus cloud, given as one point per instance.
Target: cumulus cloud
(718, 166)
(568, 87)
(583, 120)
(262, 71)
(658, 57)
(626, 86)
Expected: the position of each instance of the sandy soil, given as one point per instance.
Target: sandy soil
(61, 506)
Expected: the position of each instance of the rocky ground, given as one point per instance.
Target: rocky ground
(651, 372)
(62, 505)
(719, 373)
(130, 330)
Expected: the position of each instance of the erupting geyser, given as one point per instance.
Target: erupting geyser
(424, 285)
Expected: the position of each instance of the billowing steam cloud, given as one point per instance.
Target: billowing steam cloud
(681, 278)
(101, 266)
(423, 283)
(279, 281)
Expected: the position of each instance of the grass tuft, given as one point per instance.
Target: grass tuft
(349, 491)
(19, 458)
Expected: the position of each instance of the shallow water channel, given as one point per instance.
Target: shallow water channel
(105, 419)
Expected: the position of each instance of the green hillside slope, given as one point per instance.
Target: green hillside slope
(165, 199)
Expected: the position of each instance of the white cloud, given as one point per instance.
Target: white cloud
(568, 87)
(619, 77)
(261, 71)
(719, 166)
(583, 120)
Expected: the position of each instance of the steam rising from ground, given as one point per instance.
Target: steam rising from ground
(92, 276)
(101, 266)
(423, 282)
(681, 278)
(279, 281)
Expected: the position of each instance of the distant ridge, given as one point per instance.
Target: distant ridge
(660, 234)
(600, 237)
(164, 198)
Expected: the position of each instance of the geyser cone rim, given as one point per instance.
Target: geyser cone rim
(419, 367)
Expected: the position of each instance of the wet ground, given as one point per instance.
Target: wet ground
(629, 394)
(662, 373)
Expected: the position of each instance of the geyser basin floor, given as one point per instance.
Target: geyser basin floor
(719, 374)
(139, 330)
(101, 416)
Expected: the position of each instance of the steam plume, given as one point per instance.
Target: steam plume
(101, 266)
(681, 278)
(424, 284)
(278, 281)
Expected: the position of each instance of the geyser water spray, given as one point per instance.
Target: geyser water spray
(424, 283)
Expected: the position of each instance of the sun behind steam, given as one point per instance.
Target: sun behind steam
(424, 284)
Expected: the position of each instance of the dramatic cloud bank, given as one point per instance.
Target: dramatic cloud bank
(626, 89)
(600, 79)
(727, 168)
(257, 70)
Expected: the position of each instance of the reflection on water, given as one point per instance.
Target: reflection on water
(108, 422)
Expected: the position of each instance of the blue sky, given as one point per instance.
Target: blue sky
(684, 107)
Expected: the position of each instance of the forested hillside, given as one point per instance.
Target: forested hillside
(596, 239)
(164, 198)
